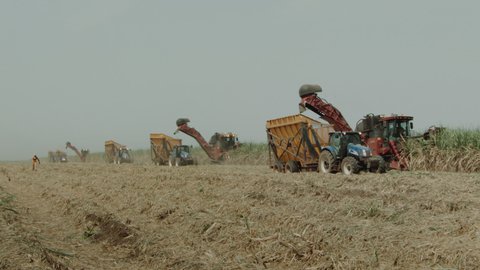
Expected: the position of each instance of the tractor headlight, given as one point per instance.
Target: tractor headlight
(184, 155)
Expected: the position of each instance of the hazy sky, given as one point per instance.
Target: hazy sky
(88, 71)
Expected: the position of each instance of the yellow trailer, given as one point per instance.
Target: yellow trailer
(117, 153)
(161, 146)
(295, 142)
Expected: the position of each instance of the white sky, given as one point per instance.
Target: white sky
(89, 71)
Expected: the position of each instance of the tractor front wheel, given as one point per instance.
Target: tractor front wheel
(349, 166)
(325, 162)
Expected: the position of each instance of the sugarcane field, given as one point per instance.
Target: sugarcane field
(235, 135)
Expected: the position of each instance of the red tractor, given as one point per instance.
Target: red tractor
(384, 134)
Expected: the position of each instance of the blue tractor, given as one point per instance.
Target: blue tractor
(346, 153)
(181, 156)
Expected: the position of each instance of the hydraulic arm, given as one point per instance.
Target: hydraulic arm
(82, 155)
(214, 153)
(326, 111)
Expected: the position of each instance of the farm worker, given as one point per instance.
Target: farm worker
(35, 160)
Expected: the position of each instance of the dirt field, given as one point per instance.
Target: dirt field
(96, 216)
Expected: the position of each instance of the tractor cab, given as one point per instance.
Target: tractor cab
(397, 129)
(343, 144)
(180, 156)
(124, 155)
(225, 141)
(384, 133)
(389, 128)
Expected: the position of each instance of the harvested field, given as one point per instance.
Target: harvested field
(133, 216)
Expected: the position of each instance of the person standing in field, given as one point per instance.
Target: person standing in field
(35, 161)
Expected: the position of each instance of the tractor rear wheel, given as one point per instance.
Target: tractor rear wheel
(325, 162)
(292, 166)
(349, 166)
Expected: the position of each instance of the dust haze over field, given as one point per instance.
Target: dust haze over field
(140, 216)
(89, 71)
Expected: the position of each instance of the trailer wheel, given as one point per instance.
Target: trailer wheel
(325, 162)
(292, 166)
(278, 167)
(349, 166)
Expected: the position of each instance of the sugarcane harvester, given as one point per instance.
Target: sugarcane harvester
(215, 152)
(82, 154)
(384, 135)
(380, 133)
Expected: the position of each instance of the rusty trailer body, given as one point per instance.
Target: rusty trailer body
(161, 146)
(295, 142)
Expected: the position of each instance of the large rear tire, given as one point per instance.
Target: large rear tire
(325, 162)
(349, 166)
(292, 166)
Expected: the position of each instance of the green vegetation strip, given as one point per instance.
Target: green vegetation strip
(454, 150)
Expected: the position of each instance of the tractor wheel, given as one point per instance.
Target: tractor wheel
(278, 167)
(349, 166)
(178, 162)
(381, 166)
(292, 166)
(325, 162)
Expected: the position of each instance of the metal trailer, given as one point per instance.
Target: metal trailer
(117, 153)
(295, 142)
(57, 156)
(161, 146)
